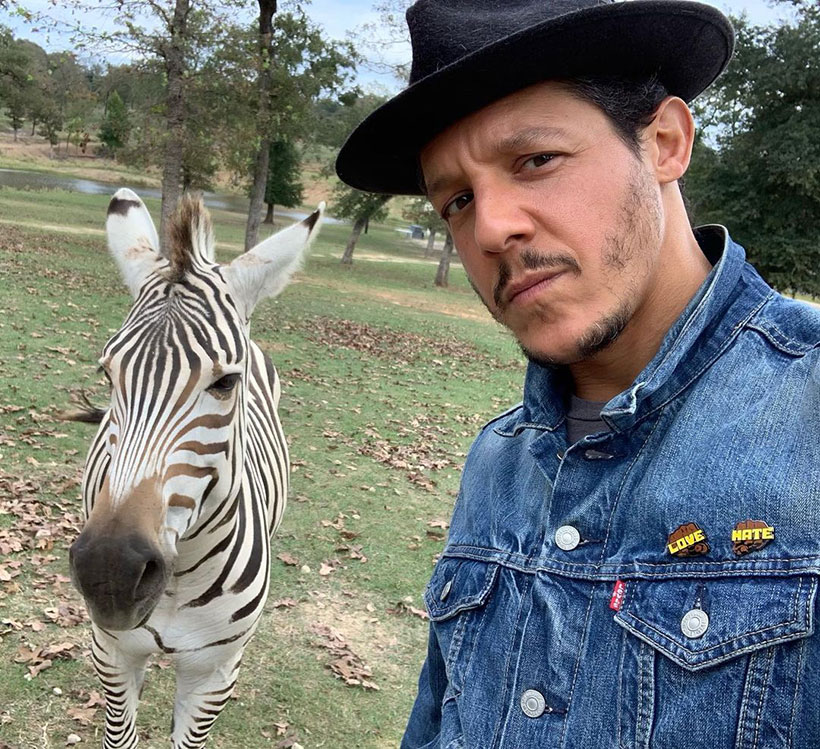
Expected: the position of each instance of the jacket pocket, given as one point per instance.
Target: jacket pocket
(722, 653)
(455, 598)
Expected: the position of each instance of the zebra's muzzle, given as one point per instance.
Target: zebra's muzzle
(120, 577)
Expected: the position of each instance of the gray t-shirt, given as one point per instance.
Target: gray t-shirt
(584, 418)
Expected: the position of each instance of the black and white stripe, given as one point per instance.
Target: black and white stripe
(187, 476)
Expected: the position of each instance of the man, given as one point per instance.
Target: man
(633, 557)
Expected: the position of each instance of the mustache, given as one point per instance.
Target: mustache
(531, 260)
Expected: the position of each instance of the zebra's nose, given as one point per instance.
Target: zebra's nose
(120, 577)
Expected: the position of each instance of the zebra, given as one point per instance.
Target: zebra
(187, 476)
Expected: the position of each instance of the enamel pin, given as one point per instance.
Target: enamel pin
(751, 535)
(687, 540)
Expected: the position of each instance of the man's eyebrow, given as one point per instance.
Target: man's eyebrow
(531, 138)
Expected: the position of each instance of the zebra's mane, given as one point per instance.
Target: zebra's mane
(191, 236)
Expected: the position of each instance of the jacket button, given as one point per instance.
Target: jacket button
(533, 703)
(694, 623)
(567, 537)
(445, 591)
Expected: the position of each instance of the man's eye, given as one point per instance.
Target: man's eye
(224, 384)
(454, 206)
(539, 160)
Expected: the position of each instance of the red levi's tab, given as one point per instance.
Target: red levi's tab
(618, 593)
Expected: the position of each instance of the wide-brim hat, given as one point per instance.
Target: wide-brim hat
(469, 53)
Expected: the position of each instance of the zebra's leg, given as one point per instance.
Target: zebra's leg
(121, 676)
(203, 689)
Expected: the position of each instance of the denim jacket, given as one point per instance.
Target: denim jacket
(560, 616)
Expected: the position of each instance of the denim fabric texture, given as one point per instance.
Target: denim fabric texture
(721, 427)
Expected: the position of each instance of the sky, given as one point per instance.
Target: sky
(339, 17)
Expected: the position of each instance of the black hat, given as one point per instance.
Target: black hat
(469, 53)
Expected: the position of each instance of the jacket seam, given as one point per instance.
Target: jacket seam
(581, 645)
(795, 619)
(502, 724)
(518, 562)
(794, 350)
(801, 665)
(627, 473)
(706, 365)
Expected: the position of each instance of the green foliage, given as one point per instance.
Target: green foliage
(116, 124)
(762, 177)
(283, 187)
(420, 211)
(356, 205)
(16, 82)
(305, 65)
(334, 119)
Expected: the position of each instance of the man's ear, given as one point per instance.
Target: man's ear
(266, 269)
(670, 138)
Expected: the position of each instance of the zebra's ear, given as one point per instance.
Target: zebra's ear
(132, 238)
(266, 269)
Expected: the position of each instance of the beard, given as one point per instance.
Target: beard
(629, 244)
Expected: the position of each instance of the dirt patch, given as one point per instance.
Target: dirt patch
(367, 635)
(461, 307)
(386, 343)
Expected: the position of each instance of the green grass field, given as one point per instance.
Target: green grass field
(386, 380)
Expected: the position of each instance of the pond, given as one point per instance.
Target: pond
(28, 180)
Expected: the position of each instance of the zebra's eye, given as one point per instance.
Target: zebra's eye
(224, 384)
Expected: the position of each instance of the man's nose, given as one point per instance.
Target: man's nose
(501, 222)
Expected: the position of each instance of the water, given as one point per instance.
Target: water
(26, 180)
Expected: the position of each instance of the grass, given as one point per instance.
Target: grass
(373, 358)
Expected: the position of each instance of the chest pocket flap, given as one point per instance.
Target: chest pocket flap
(458, 585)
(742, 614)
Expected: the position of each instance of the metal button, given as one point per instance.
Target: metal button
(533, 703)
(694, 623)
(445, 591)
(567, 537)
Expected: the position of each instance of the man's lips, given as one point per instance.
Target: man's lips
(528, 287)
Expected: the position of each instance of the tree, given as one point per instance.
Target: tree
(265, 84)
(388, 35)
(359, 207)
(283, 185)
(16, 83)
(762, 177)
(168, 32)
(301, 66)
(115, 125)
(443, 270)
(332, 120)
(420, 211)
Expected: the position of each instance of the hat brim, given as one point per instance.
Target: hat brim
(686, 44)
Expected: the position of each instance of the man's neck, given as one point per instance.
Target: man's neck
(614, 369)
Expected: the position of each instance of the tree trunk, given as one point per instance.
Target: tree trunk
(174, 119)
(347, 258)
(267, 9)
(431, 242)
(269, 214)
(444, 264)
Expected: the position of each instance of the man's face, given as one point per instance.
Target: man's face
(557, 222)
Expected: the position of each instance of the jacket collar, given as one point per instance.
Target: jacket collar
(728, 297)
